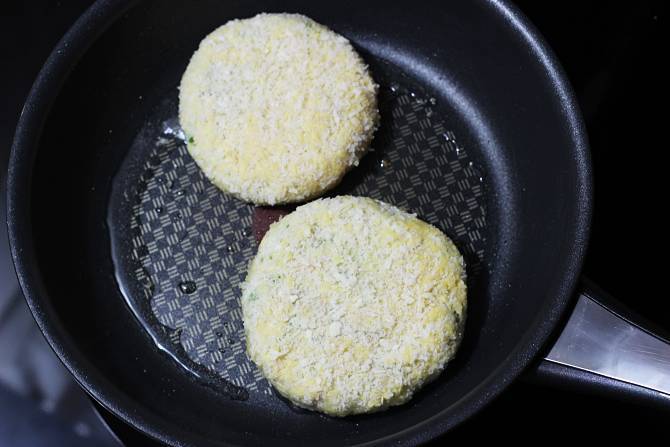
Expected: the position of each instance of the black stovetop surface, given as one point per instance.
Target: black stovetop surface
(614, 54)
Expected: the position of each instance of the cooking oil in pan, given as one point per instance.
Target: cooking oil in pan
(181, 276)
(188, 287)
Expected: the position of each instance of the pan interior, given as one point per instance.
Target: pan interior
(181, 247)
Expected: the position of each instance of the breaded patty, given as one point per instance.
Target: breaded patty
(351, 305)
(277, 108)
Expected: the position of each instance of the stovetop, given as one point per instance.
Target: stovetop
(613, 53)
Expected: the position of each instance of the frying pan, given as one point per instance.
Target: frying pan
(130, 260)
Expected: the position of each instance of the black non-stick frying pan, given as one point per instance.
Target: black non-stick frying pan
(130, 259)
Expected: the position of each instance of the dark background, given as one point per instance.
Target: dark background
(614, 53)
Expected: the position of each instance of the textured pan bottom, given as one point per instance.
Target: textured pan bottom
(182, 247)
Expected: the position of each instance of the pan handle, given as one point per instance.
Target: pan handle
(605, 348)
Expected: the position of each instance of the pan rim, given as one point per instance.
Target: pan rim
(45, 89)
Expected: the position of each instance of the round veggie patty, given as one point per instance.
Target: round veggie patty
(277, 108)
(351, 305)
